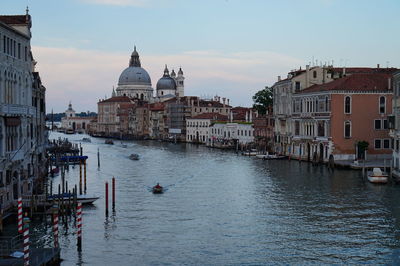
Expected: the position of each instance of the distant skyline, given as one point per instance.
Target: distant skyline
(225, 47)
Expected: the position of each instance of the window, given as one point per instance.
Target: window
(386, 143)
(378, 124)
(321, 128)
(326, 104)
(347, 105)
(314, 74)
(377, 144)
(382, 105)
(297, 85)
(347, 129)
(385, 124)
(296, 127)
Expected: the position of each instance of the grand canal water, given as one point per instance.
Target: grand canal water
(226, 209)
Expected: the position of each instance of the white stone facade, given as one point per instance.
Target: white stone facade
(23, 136)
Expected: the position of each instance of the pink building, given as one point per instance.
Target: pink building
(330, 121)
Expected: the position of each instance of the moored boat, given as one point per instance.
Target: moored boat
(377, 176)
(109, 141)
(134, 156)
(84, 199)
(86, 140)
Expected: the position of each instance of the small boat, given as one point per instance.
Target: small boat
(134, 156)
(86, 140)
(262, 156)
(252, 152)
(69, 131)
(109, 141)
(377, 176)
(84, 199)
(157, 189)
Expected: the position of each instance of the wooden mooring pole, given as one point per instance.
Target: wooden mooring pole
(106, 187)
(79, 226)
(80, 177)
(84, 175)
(98, 157)
(113, 193)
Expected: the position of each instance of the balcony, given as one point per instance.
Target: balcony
(15, 155)
(17, 110)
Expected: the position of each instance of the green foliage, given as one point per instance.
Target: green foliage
(362, 145)
(263, 100)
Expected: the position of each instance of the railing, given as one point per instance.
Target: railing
(17, 109)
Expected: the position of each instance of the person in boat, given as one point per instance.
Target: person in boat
(158, 186)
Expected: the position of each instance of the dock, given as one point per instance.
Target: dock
(38, 256)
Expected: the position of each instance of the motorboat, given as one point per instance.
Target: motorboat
(86, 140)
(134, 156)
(157, 189)
(109, 141)
(252, 152)
(377, 176)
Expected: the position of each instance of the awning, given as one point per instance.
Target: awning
(13, 121)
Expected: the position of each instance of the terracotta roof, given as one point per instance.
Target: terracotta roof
(116, 99)
(213, 116)
(354, 82)
(15, 19)
(156, 107)
(365, 70)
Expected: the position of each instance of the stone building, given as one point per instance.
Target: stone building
(394, 123)
(332, 118)
(23, 136)
(72, 123)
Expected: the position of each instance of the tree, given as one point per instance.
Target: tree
(263, 100)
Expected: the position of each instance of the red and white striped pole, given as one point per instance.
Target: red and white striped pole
(79, 225)
(20, 230)
(55, 227)
(26, 241)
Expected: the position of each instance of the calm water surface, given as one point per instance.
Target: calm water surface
(225, 209)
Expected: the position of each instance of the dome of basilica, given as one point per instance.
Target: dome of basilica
(134, 74)
(166, 82)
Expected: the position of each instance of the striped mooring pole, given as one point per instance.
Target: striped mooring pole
(55, 226)
(20, 215)
(26, 241)
(79, 225)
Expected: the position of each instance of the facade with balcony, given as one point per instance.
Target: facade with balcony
(23, 136)
(331, 120)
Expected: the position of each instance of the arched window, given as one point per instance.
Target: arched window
(347, 105)
(382, 105)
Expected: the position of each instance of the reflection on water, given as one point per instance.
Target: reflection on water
(221, 208)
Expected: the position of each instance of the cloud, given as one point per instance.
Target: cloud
(85, 76)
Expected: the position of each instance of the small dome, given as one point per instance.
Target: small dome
(134, 76)
(166, 83)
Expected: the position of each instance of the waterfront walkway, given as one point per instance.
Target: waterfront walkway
(380, 163)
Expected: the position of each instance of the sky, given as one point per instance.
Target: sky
(230, 48)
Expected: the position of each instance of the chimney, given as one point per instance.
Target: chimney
(231, 116)
(344, 71)
(377, 65)
(389, 84)
(307, 75)
(279, 78)
(250, 116)
(227, 101)
(198, 102)
(223, 101)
